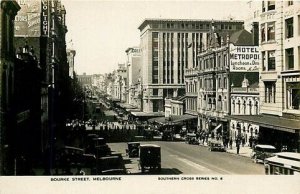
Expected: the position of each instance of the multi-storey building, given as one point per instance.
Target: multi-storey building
(279, 83)
(85, 80)
(8, 10)
(168, 47)
(42, 24)
(223, 65)
(244, 100)
(133, 74)
(71, 55)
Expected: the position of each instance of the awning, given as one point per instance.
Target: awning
(273, 122)
(109, 113)
(126, 106)
(217, 127)
(146, 114)
(175, 119)
(182, 118)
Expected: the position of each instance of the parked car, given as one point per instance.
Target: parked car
(260, 152)
(133, 149)
(111, 165)
(216, 146)
(150, 157)
(191, 139)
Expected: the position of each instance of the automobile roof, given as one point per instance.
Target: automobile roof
(265, 146)
(150, 145)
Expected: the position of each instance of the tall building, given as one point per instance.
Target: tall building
(42, 24)
(279, 80)
(8, 10)
(224, 64)
(168, 48)
(71, 56)
(133, 74)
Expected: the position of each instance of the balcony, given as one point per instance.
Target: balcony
(191, 72)
(244, 90)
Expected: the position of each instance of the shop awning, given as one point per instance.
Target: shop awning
(146, 114)
(126, 106)
(273, 122)
(182, 118)
(110, 113)
(175, 119)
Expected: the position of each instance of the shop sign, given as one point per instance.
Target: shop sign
(28, 19)
(244, 58)
(45, 18)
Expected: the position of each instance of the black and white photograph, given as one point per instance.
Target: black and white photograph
(177, 93)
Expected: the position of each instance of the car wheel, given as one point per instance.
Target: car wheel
(143, 169)
(255, 159)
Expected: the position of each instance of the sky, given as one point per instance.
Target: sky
(100, 31)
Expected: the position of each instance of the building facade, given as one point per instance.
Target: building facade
(133, 74)
(8, 10)
(225, 64)
(71, 61)
(279, 79)
(168, 48)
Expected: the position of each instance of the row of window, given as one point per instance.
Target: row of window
(250, 108)
(269, 59)
(270, 5)
(268, 30)
(212, 104)
(197, 26)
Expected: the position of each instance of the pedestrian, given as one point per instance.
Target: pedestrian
(237, 146)
(230, 142)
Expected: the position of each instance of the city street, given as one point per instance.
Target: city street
(184, 159)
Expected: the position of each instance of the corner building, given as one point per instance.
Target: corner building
(168, 48)
(279, 75)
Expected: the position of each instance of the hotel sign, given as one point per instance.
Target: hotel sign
(244, 58)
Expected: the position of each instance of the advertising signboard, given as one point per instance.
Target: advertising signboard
(244, 58)
(28, 19)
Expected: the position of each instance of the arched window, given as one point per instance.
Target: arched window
(233, 106)
(244, 107)
(256, 107)
(250, 107)
(239, 107)
(220, 103)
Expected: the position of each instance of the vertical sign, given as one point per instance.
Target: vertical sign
(45, 18)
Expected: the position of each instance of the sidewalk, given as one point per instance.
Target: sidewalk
(244, 151)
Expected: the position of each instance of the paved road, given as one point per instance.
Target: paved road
(185, 159)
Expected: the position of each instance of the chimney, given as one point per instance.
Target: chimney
(255, 33)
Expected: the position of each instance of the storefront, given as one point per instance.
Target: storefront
(272, 130)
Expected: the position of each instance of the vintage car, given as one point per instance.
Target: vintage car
(150, 157)
(133, 149)
(261, 152)
(111, 165)
(191, 139)
(216, 146)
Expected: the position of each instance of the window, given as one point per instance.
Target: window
(290, 58)
(270, 91)
(271, 31)
(289, 33)
(263, 35)
(271, 5)
(271, 60)
(155, 92)
(225, 82)
(263, 54)
(263, 6)
(295, 98)
(290, 3)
